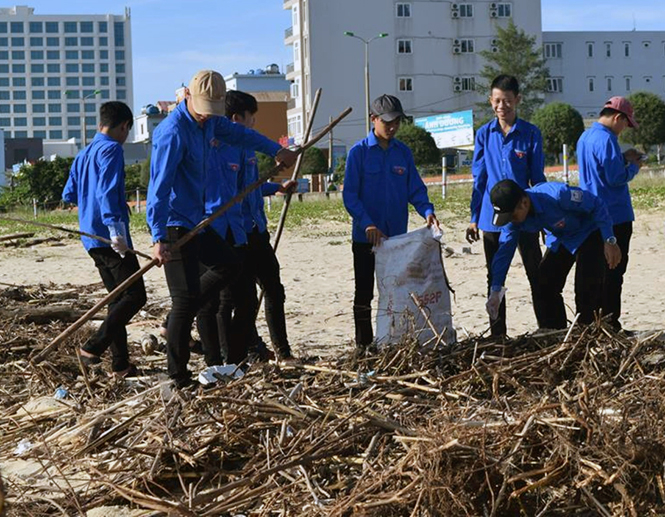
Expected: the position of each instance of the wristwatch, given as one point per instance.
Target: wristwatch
(611, 240)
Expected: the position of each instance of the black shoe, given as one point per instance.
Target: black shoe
(131, 371)
(187, 382)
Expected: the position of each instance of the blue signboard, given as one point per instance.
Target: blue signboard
(449, 129)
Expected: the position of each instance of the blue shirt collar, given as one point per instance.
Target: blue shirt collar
(514, 129)
(182, 108)
(601, 127)
(372, 140)
(101, 136)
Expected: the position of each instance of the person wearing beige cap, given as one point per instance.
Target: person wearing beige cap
(605, 172)
(176, 204)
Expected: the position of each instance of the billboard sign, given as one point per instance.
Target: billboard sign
(449, 129)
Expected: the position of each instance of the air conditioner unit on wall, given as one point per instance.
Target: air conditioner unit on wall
(457, 88)
(493, 5)
(457, 42)
(494, 42)
(457, 49)
(494, 13)
(454, 7)
(494, 49)
(457, 80)
(454, 14)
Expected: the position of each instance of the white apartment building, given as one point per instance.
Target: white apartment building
(56, 71)
(430, 58)
(587, 68)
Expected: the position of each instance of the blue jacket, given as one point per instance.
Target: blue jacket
(225, 179)
(96, 184)
(178, 166)
(518, 156)
(603, 171)
(252, 206)
(568, 215)
(379, 185)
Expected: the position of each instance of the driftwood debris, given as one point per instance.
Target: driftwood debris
(15, 236)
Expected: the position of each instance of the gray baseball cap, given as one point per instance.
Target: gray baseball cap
(387, 108)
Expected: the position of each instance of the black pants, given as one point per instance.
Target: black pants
(114, 270)
(363, 269)
(553, 271)
(613, 282)
(195, 275)
(263, 266)
(529, 248)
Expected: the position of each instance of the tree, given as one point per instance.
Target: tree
(560, 124)
(421, 143)
(43, 181)
(649, 111)
(517, 54)
(265, 163)
(314, 162)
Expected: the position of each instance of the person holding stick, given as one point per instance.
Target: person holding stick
(96, 184)
(505, 148)
(606, 172)
(175, 205)
(579, 231)
(380, 182)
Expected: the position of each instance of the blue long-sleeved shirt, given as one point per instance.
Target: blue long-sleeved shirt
(568, 214)
(225, 178)
(518, 156)
(253, 212)
(379, 185)
(96, 184)
(603, 171)
(178, 166)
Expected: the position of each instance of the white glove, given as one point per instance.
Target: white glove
(118, 238)
(494, 302)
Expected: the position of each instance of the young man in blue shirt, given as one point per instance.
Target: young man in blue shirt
(505, 148)
(606, 172)
(178, 170)
(380, 182)
(97, 185)
(579, 231)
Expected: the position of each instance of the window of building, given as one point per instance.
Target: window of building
(609, 84)
(55, 108)
(55, 121)
(4, 81)
(103, 26)
(73, 107)
(37, 54)
(105, 94)
(16, 27)
(55, 134)
(90, 121)
(119, 33)
(18, 68)
(72, 68)
(18, 54)
(52, 27)
(87, 41)
(90, 108)
(39, 134)
(38, 95)
(36, 42)
(70, 27)
(626, 49)
(555, 84)
(71, 54)
(87, 54)
(18, 42)
(104, 81)
(53, 68)
(4, 55)
(4, 96)
(37, 81)
(71, 42)
(501, 10)
(4, 108)
(121, 94)
(104, 42)
(87, 81)
(73, 121)
(4, 69)
(19, 81)
(88, 93)
(52, 42)
(553, 50)
(39, 121)
(464, 46)
(4, 42)
(72, 81)
(20, 108)
(74, 133)
(5, 122)
(86, 26)
(295, 125)
(54, 94)
(120, 68)
(608, 49)
(88, 68)
(20, 122)
(403, 10)
(589, 49)
(104, 54)
(119, 55)
(465, 10)
(3, 27)
(404, 46)
(52, 54)
(120, 81)
(296, 52)
(405, 84)
(36, 27)
(591, 84)
(53, 81)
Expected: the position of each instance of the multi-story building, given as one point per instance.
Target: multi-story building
(587, 68)
(430, 58)
(55, 71)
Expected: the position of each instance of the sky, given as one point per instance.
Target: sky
(173, 39)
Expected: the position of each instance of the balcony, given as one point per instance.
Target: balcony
(290, 68)
(288, 33)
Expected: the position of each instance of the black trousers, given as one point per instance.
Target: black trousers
(195, 275)
(263, 266)
(114, 270)
(529, 249)
(613, 282)
(589, 272)
(363, 269)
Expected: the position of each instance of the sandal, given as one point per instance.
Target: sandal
(131, 371)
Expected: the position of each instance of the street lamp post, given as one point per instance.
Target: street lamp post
(366, 42)
(83, 99)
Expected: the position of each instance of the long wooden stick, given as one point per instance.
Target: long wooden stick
(69, 230)
(181, 242)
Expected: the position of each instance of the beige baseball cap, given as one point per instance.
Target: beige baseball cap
(207, 90)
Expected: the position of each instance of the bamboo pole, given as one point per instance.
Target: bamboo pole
(181, 242)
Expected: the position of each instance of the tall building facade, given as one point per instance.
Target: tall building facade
(55, 71)
(430, 58)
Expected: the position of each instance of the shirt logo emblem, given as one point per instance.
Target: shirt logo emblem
(234, 167)
(214, 142)
(560, 224)
(252, 161)
(576, 196)
(520, 154)
(399, 170)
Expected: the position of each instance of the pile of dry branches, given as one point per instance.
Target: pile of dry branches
(560, 424)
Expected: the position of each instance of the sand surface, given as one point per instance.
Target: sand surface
(317, 273)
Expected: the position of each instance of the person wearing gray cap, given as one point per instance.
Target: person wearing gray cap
(380, 182)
